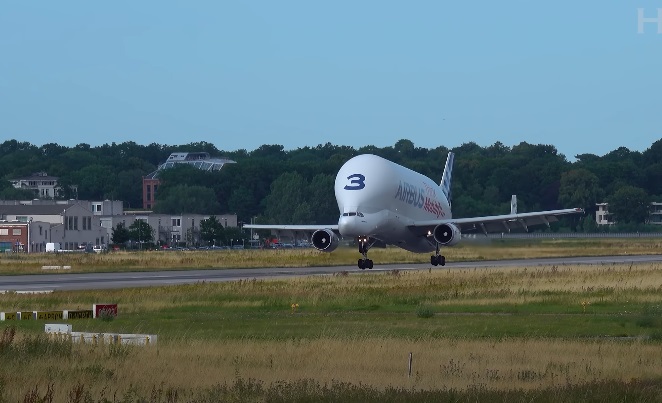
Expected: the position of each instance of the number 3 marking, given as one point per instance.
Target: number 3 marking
(357, 181)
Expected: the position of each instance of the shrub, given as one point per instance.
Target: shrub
(106, 315)
(7, 338)
(424, 312)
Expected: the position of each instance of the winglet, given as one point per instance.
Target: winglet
(447, 176)
(513, 204)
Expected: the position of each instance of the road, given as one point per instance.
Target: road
(83, 281)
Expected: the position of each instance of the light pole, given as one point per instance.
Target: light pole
(252, 221)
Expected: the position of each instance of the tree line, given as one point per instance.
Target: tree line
(211, 232)
(274, 185)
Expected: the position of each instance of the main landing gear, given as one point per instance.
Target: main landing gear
(437, 259)
(364, 245)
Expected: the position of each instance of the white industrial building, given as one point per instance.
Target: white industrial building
(603, 217)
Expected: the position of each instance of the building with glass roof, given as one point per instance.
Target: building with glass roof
(200, 160)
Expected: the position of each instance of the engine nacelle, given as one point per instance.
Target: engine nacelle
(447, 234)
(325, 240)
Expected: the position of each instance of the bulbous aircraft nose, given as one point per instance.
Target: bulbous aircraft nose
(350, 226)
(345, 227)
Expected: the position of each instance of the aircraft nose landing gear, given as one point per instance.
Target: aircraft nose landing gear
(364, 263)
(437, 259)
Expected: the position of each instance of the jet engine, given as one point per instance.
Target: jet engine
(447, 234)
(325, 240)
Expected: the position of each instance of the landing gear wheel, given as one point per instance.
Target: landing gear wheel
(364, 245)
(438, 260)
(365, 264)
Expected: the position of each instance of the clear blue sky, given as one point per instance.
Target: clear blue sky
(575, 74)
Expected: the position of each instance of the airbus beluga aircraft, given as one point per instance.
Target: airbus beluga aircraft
(382, 201)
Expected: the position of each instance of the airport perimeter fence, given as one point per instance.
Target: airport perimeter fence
(559, 235)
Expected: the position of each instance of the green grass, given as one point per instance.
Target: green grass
(206, 324)
(378, 305)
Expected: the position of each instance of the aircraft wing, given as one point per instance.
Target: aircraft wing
(496, 223)
(288, 227)
(293, 231)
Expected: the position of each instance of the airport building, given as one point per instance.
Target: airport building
(168, 229)
(27, 226)
(603, 217)
(199, 160)
(70, 225)
(43, 185)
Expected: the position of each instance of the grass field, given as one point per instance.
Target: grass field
(539, 333)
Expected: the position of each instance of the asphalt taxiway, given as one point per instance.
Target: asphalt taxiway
(89, 281)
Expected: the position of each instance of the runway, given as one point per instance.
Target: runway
(82, 281)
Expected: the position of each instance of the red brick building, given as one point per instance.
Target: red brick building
(150, 186)
(14, 236)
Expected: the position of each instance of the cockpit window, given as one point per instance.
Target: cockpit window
(352, 214)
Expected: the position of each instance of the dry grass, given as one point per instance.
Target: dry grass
(378, 362)
(468, 251)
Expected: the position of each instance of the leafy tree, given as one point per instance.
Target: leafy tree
(579, 188)
(234, 236)
(484, 177)
(272, 151)
(322, 200)
(241, 202)
(129, 187)
(405, 148)
(302, 213)
(212, 231)
(94, 183)
(9, 192)
(630, 204)
(120, 234)
(186, 199)
(66, 189)
(186, 174)
(589, 224)
(76, 159)
(287, 192)
(140, 231)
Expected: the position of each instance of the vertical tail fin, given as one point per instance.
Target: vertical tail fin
(513, 204)
(447, 176)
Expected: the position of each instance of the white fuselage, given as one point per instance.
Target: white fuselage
(381, 199)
